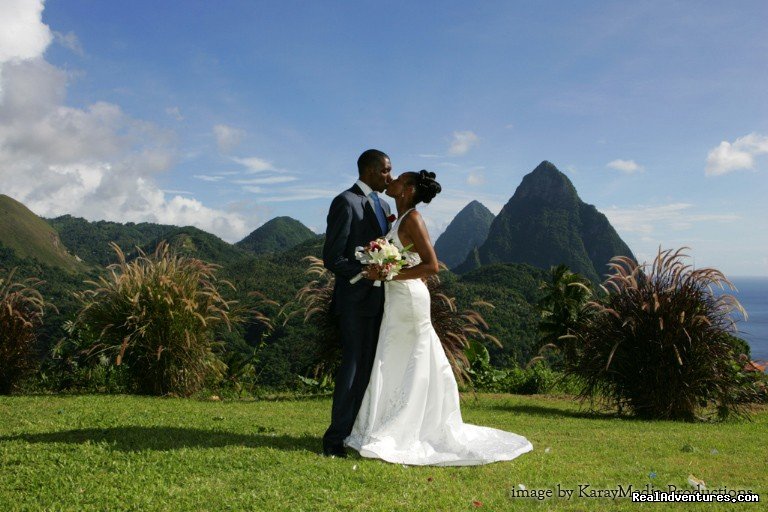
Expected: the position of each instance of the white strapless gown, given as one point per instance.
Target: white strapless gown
(410, 411)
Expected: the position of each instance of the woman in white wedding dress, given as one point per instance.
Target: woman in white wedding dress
(410, 411)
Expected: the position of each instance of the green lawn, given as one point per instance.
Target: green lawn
(141, 453)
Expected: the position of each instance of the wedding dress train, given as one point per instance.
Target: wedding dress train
(410, 412)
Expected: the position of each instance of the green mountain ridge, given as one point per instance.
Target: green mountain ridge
(466, 231)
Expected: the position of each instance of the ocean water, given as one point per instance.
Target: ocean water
(753, 295)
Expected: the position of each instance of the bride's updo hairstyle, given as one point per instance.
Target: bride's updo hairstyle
(426, 186)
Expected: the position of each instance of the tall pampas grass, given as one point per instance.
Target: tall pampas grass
(21, 313)
(156, 314)
(659, 342)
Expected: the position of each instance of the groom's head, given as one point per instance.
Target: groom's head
(374, 169)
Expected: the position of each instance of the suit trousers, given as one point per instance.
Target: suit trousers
(359, 336)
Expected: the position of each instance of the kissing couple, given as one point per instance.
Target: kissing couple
(396, 397)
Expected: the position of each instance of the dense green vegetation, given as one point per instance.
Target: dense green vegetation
(82, 453)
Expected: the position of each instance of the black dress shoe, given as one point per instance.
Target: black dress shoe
(335, 451)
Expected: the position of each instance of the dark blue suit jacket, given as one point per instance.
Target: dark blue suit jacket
(352, 223)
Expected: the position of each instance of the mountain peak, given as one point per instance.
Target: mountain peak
(545, 223)
(548, 184)
(466, 232)
(275, 235)
(546, 166)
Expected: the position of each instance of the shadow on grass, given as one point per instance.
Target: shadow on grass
(135, 439)
(556, 412)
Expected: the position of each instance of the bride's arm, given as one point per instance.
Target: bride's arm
(415, 230)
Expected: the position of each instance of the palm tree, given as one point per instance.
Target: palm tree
(562, 310)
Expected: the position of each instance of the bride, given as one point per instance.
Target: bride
(410, 411)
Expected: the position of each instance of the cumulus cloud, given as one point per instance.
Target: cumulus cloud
(625, 166)
(22, 35)
(97, 161)
(462, 142)
(729, 157)
(227, 137)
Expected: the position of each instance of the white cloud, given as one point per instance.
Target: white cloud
(729, 157)
(298, 194)
(462, 142)
(23, 35)
(625, 166)
(206, 177)
(255, 164)
(70, 41)
(227, 137)
(475, 178)
(95, 162)
(266, 181)
(652, 219)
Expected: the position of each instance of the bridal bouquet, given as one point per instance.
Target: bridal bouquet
(384, 253)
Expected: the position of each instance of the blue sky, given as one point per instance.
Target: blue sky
(226, 114)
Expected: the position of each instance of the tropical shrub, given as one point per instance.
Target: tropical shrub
(21, 314)
(156, 315)
(659, 342)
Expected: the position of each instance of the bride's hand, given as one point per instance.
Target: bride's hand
(374, 272)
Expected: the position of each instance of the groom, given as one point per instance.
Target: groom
(356, 217)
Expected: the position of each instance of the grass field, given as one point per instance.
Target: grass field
(142, 453)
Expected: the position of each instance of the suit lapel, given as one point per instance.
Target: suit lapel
(368, 209)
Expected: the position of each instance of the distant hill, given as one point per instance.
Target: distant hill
(30, 236)
(545, 223)
(276, 235)
(465, 232)
(90, 240)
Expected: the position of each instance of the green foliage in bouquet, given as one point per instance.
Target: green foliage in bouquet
(659, 343)
(157, 315)
(21, 314)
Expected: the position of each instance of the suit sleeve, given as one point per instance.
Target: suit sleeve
(336, 236)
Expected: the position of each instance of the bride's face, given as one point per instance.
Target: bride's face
(397, 186)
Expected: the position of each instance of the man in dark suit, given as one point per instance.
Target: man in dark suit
(356, 217)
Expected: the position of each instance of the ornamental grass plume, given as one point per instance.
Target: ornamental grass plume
(21, 314)
(659, 342)
(454, 328)
(156, 314)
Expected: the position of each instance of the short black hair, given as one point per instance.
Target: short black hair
(368, 158)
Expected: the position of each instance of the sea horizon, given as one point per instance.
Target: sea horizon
(752, 293)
